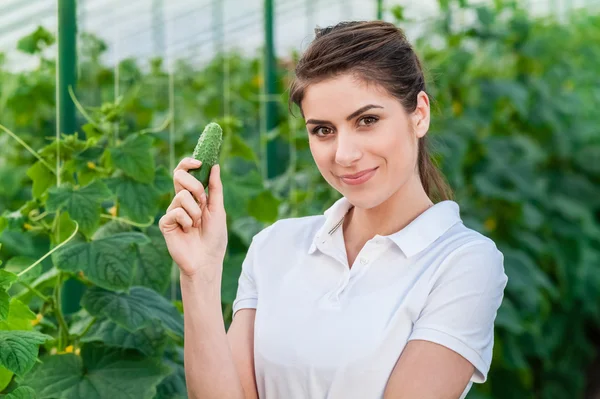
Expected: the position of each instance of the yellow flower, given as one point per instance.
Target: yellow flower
(37, 320)
(91, 165)
(490, 224)
(77, 351)
(69, 349)
(113, 211)
(457, 108)
(27, 226)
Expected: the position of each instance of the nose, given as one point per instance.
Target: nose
(348, 150)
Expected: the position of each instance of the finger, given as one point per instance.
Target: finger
(184, 199)
(184, 181)
(215, 189)
(187, 163)
(184, 165)
(174, 218)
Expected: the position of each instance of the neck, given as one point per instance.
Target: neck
(390, 216)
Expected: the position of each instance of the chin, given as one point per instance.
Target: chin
(365, 199)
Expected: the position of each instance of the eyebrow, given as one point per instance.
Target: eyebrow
(349, 117)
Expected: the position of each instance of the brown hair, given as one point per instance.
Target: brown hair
(376, 52)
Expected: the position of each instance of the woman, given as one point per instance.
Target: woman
(385, 295)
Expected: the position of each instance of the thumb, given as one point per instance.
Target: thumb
(215, 190)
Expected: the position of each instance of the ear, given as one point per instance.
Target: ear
(421, 115)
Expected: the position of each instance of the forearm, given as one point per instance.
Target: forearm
(209, 367)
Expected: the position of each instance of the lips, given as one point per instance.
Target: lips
(359, 174)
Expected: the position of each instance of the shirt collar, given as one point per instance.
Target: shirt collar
(412, 239)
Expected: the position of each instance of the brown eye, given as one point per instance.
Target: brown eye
(321, 130)
(368, 120)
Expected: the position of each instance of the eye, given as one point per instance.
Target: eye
(324, 130)
(368, 120)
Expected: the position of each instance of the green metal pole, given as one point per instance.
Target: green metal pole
(380, 9)
(72, 290)
(276, 149)
(219, 48)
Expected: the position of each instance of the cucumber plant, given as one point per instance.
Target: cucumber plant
(93, 207)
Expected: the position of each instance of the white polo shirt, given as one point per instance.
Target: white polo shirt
(324, 330)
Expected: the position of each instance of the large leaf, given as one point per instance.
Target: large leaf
(19, 317)
(138, 201)
(154, 262)
(22, 392)
(134, 157)
(107, 262)
(174, 386)
(149, 340)
(42, 179)
(99, 373)
(19, 349)
(83, 204)
(134, 310)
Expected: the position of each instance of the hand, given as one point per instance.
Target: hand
(195, 227)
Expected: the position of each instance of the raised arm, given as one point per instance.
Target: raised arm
(195, 231)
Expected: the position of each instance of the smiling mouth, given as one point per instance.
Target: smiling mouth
(357, 175)
(359, 178)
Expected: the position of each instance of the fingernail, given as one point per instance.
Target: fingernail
(197, 162)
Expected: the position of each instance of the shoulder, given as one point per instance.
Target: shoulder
(471, 255)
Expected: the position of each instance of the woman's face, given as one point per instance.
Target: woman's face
(357, 128)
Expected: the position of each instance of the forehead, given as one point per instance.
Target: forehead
(344, 93)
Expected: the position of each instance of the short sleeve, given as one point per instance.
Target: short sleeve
(461, 308)
(247, 293)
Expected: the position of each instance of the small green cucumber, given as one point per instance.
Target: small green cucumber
(208, 151)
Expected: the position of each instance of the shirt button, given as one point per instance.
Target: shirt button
(363, 261)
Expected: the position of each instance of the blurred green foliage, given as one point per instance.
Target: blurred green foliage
(516, 132)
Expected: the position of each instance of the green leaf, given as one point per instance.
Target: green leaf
(36, 42)
(174, 386)
(17, 264)
(22, 392)
(163, 181)
(154, 262)
(264, 207)
(134, 157)
(135, 310)
(42, 179)
(19, 349)
(107, 262)
(138, 201)
(83, 204)
(99, 373)
(111, 228)
(4, 305)
(239, 148)
(7, 278)
(150, 340)
(5, 378)
(19, 317)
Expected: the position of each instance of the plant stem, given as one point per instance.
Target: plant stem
(35, 154)
(127, 221)
(88, 327)
(36, 292)
(37, 262)
(63, 329)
